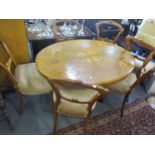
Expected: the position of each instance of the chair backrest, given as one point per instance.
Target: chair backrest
(146, 32)
(65, 29)
(108, 29)
(7, 62)
(129, 40)
(57, 85)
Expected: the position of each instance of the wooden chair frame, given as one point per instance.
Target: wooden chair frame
(100, 91)
(141, 43)
(151, 55)
(6, 68)
(141, 76)
(54, 27)
(110, 22)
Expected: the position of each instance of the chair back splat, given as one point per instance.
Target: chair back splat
(105, 29)
(62, 28)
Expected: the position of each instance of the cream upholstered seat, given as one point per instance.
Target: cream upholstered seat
(151, 96)
(124, 85)
(75, 109)
(24, 77)
(74, 98)
(29, 80)
(139, 63)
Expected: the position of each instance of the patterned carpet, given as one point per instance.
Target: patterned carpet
(139, 119)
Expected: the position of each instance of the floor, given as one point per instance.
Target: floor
(37, 118)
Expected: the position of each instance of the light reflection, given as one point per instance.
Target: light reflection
(71, 73)
(111, 50)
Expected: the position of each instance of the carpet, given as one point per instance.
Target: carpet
(139, 119)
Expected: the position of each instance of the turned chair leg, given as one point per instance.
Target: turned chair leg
(123, 104)
(52, 102)
(21, 103)
(55, 122)
(85, 125)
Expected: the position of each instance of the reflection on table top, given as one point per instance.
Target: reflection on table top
(90, 61)
(42, 31)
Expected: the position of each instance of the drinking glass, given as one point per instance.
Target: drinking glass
(81, 31)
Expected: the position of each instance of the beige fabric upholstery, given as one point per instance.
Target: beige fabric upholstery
(152, 89)
(75, 109)
(124, 85)
(151, 98)
(151, 101)
(30, 82)
(146, 32)
(139, 63)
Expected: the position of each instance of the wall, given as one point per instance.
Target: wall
(14, 34)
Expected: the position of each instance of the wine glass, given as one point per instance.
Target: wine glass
(75, 27)
(81, 31)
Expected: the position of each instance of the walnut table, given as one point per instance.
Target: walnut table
(90, 61)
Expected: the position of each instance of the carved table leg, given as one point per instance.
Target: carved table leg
(4, 112)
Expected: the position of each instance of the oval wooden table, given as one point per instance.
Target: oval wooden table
(90, 61)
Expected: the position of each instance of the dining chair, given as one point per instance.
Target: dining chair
(127, 85)
(130, 44)
(25, 78)
(108, 27)
(74, 99)
(65, 29)
(146, 32)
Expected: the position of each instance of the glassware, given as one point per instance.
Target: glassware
(64, 27)
(75, 27)
(81, 31)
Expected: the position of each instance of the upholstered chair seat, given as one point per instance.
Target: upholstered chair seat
(139, 63)
(151, 97)
(29, 80)
(75, 109)
(124, 85)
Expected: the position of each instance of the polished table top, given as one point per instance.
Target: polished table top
(90, 61)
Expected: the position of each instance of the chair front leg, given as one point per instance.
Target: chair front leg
(55, 123)
(85, 125)
(52, 102)
(123, 104)
(21, 102)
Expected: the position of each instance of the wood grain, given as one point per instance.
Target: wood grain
(90, 61)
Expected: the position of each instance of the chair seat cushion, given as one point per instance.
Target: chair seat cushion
(151, 102)
(75, 109)
(139, 63)
(124, 85)
(152, 89)
(29, 80)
